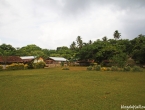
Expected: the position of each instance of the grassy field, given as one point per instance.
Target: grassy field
(74, 89)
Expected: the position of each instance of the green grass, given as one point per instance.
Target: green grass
(74, 89)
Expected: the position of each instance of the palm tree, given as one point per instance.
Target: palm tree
(104, 38)
(90, 42)
(79, 42)
(116, 34)
(73, 46)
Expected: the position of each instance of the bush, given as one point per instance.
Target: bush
(65, 68)
(20, 66)
(1, 67)
(127, 68)
(62, 64)
(30, 65)
(97, 67)
(104, 69)
(15, 66)
(114, 68)
(89, 68)
(25, 66)
(39, 65)
(137, 69)
(93, 64)
(108, 69)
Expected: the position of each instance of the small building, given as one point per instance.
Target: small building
(54, 61)
(27, 59)
(34, 59)
(10, 59)
(7, 60)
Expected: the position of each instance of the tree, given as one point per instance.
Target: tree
(124, 45)
(73, 46)
(90, 42)
(119, 59)
(30, 50)
(5, 51)
(63, 52)
(104, 38)
(138, 49)
(116, 34)
(79, 42)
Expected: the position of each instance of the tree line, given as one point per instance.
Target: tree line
(101, 51)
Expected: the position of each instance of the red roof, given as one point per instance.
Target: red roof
(10, 59)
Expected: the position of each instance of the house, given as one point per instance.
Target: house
(55, 61)
(10, 59)
(7, 60)
(51, 60)
(27, 59)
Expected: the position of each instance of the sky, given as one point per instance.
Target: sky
(54, 23)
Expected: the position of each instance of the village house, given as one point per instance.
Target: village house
(34, 59)
(55, 61)
(10, 59)
(7, 60)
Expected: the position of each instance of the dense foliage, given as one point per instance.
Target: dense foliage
(115, 51)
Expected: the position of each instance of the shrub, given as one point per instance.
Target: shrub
(62, 64)
(114, 68)
(93, 64)
(65, 68)
(89, 68)
(39, 65)
(1, 67)
(137, 69)
(15, 66)
(127, 68)
(30, 65)
(25, 66)
(20, 66)
(103, 68)
(97, 67)
(108, 69)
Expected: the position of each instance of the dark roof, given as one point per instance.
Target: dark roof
(10, 59)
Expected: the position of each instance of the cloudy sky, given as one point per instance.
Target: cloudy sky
(54, 23)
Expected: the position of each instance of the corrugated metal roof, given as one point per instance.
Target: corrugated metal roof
(27, 57)
(11, 59)
(58, 58)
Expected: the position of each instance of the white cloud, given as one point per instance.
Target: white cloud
(50, 24)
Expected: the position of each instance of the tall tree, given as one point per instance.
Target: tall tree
(5, 51)
(90, 42)
(29, 50)
(79, 42)
(116, 34)
(73, 46)
(138, 51)
(104, 38)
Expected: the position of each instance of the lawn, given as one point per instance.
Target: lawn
(74, 89)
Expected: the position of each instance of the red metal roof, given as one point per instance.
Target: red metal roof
(10, 59)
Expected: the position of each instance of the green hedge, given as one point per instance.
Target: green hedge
(15, 66)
